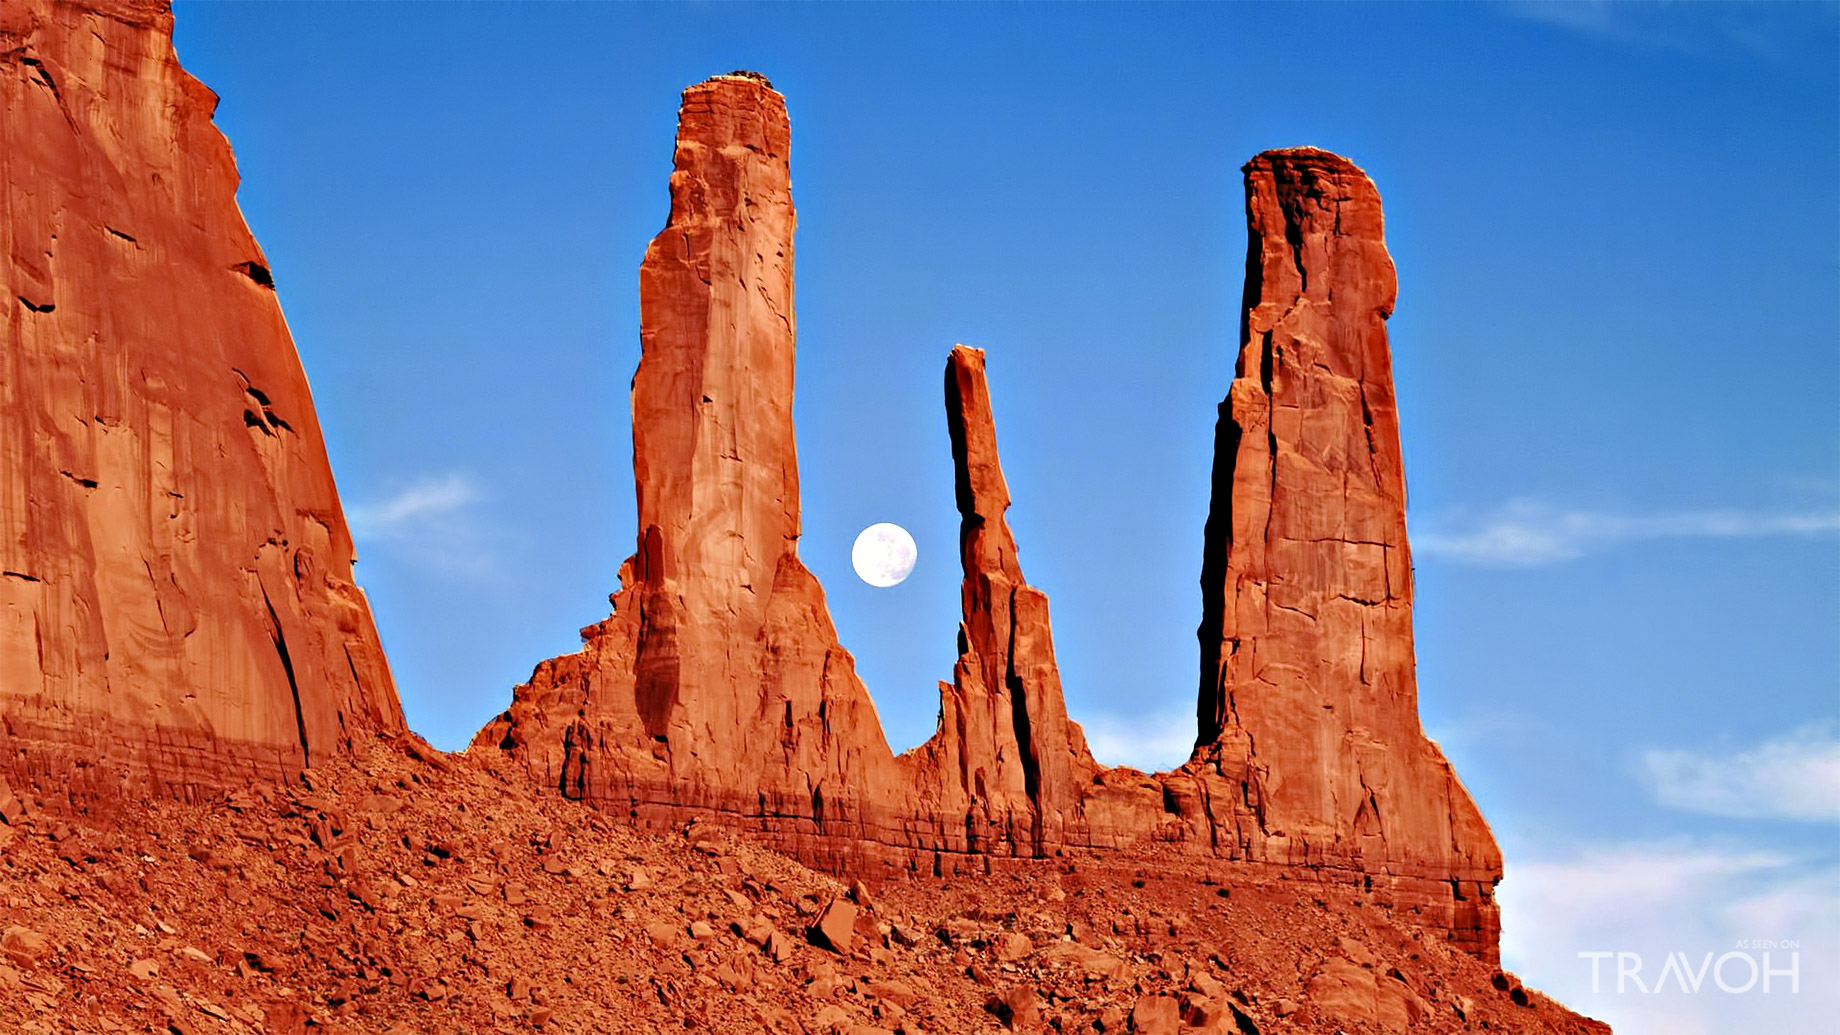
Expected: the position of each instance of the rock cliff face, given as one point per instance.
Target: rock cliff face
(717, 690)
(176, 596)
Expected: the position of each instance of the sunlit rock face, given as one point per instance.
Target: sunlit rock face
(718, 691)
(177, 607)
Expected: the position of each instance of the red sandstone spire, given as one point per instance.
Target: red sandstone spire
(1308, 698)
(718, 682)
(1006, 754)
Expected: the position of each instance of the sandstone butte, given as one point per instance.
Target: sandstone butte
(177, 610)
(717, 690)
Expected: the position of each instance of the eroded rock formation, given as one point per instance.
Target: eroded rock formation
(717, 689)
(1308, 704)
(176, 595)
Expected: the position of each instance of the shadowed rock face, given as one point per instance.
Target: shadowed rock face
(176, 597)
(717, 689)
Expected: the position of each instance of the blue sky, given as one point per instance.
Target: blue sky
(1615, 345)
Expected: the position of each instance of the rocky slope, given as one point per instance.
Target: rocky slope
(407, 892)
(177, 608)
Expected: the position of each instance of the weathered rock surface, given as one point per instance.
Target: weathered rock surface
(485, 904)
(1308, 703)
(177, 609)
(718, 690)
(176, 597)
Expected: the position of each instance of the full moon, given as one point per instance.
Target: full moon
(884, 554)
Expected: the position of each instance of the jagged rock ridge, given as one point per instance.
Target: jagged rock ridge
(176, 598)
(718, 685)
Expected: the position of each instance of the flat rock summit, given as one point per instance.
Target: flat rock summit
(213, 816)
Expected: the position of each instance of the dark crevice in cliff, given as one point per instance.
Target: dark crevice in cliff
(37, 307)
(1019, 708)
(1216, 543)
(42, 76)
(1293, 233)
(287, 666)
(351, 665)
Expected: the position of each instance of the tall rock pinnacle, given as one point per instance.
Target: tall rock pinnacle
(1308, 701)
(1006, 755)
(176, 597)
(718, 683)
(715, 466)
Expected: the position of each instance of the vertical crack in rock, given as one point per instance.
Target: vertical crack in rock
(279, 639)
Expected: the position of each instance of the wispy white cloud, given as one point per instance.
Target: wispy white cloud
(1790, 777)
(1152, 741)
(1485, 729)
(1765, 32)
(430, 522)
(1656, 899)
(1526, 533)
(424, 499)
